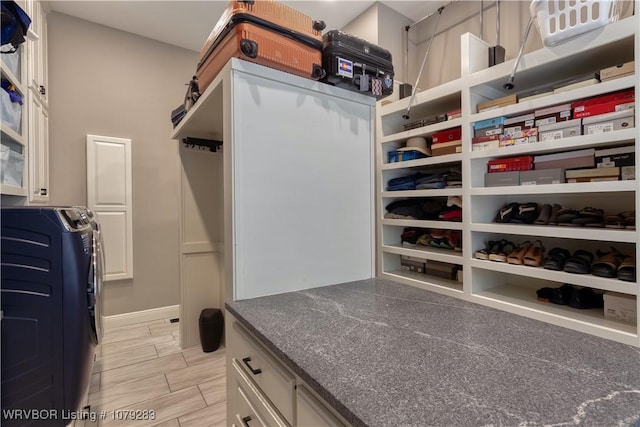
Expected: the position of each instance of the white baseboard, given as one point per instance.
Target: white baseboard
(142, 316)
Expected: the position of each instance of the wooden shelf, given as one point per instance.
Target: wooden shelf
(581, 233)
(15, 81)
(444, 192)
(429, 161)
(421, 131)
(557, 189)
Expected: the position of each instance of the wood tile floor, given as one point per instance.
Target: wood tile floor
(141, 367)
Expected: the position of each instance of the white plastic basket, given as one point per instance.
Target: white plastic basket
(561, 20)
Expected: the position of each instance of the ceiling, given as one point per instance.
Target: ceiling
(188, 23)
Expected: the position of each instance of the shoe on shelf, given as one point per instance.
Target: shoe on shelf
(534, 255)
(627, 269)
(562, 295)
(607, 263)
(517, 255)
(579, 262)
(492, 246)
(556, 259)
(501, 254)
(584, 298)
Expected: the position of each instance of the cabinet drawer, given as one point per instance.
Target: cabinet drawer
(311, 412)
(251, 408)
(273, 379)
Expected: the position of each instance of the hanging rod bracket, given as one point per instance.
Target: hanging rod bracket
(212, 144)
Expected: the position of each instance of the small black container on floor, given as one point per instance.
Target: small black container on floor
(211, 327)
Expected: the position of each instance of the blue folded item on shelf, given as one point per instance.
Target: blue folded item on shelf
(400, 187)
(431, 185)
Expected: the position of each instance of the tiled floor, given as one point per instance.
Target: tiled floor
(141, 368)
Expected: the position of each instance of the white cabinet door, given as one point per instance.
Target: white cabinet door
(38, 150)
(37, 51)
(109, 186)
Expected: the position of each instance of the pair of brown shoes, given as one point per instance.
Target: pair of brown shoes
(527, 253)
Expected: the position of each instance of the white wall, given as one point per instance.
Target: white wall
(108, 82)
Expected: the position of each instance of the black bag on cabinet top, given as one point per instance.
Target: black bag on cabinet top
(355, 64)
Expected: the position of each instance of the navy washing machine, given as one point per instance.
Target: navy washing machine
(51, 266)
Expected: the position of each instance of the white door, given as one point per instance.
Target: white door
(109, 196)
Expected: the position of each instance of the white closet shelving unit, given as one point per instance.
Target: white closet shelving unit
(286, 202)
(505, 286)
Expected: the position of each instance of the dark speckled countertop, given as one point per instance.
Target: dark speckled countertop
(387, 354)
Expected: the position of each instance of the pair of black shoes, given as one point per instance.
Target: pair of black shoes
(572, 295)
(521, 213)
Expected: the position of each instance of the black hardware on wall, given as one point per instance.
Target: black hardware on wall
(211, 144)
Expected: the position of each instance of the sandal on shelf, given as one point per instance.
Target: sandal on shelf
(607, 263)
(566, 216)
(579, 262)
(626, 219)
(589, 216)
(505, 249)
(556, 258)
(484, 252)
(506, 212)
(526, 213)
(553, 218)
(562, 295)
(545, 214)
(533, 256)
(516, 256)
(627, 269)
(584, 298)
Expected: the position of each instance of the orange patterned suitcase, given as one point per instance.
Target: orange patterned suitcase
(265, 32)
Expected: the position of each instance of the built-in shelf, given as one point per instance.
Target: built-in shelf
(486, 281)
(524, 301)
(15, 81)
(419, 251)
(11, 190)
(12, 134)
(603, 283)
(424, 281)
(599, 140)
(446, 225)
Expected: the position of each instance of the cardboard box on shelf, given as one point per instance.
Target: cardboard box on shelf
(608, 122)
(566, 160)
(497, 103)
(618, 156)
(444, 148)
(628, 173)
(488, 127)
(502, 179)
(621, 307)
(542, 177)
(509, 164)
(526, 136)
(519, 123)
(553, 114)
(412, 264)
(447, 135)
(560, 130)
(617, 71)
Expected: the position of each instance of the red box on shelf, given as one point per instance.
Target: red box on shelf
(607, 107)
(447, 135)
(510, 164)
(601, 99)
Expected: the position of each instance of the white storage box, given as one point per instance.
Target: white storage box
(560, 20)
(560, 130)
(620, 307)
(608, 122)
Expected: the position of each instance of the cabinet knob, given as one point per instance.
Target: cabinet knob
(43, 91)
(246, 420)
(43, 191)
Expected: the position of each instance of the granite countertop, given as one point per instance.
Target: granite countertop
(387, 354)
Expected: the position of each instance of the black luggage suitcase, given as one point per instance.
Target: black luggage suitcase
(355, 64)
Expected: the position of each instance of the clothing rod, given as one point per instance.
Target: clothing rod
(408, 27)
